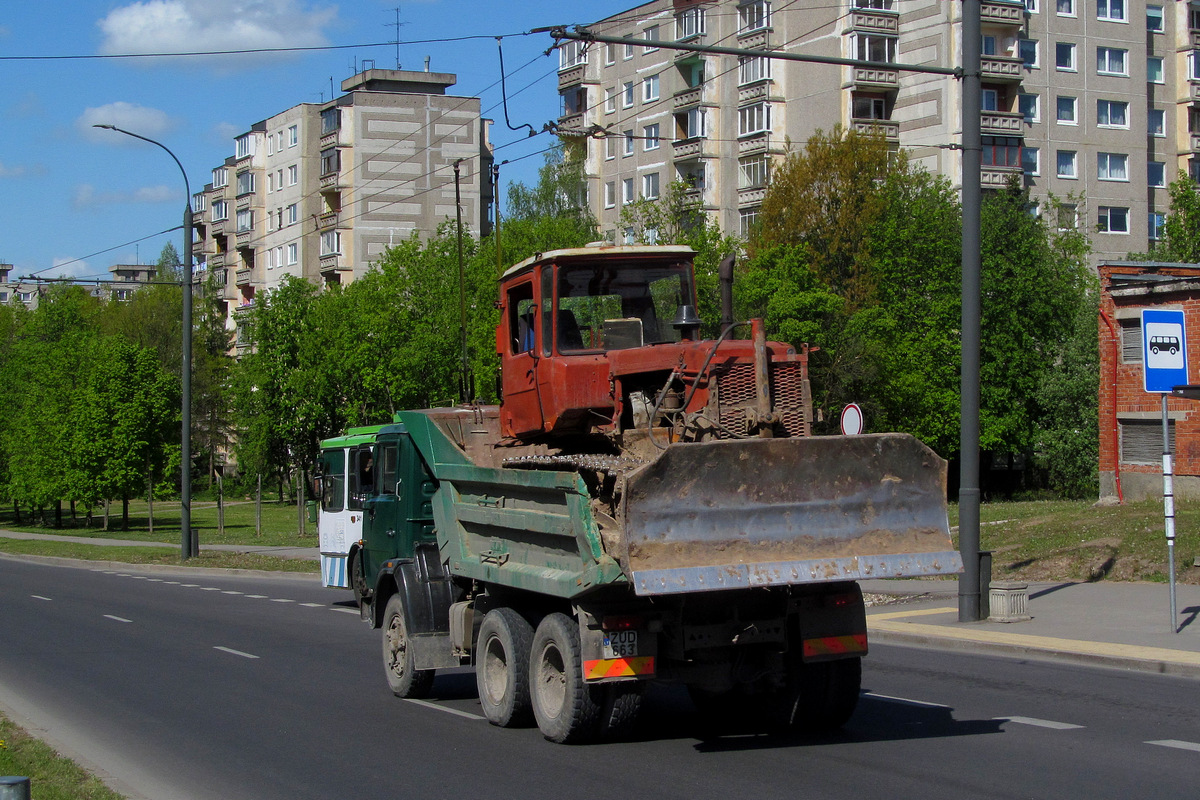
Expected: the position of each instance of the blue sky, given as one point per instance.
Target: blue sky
(68, 191)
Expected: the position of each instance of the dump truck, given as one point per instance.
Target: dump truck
(644, 505)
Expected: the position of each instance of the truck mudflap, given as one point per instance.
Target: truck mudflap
(767, 512)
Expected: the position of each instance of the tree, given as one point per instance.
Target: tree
(1181, 229)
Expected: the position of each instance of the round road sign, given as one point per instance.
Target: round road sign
(852, 420)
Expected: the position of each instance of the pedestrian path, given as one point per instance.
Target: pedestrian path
(299, 553)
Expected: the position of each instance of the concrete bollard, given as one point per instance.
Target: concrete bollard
(13, 787)
(1009, 601)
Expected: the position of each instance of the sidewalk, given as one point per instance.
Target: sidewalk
(1125, 625)
(299, 553)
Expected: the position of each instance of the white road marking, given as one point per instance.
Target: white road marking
(235, 652)
(904, 700)
(122, 574)
(230, 591)
(1039, 723)
(38, 597)
(155, 580)
(281, 600)
(1177, 744)
(436, 707)
(172, 583)
(209, 589)
(189, 585)
(256, 596)
(139, 577)
(353, 611)
(116, 619)
(312, 605)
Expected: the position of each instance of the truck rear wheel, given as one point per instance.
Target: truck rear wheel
(502, 668)
(403, 677)
(622, 705)
(824, 695)
(567, 709)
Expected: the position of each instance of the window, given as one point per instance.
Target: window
(245, 220)
(689, 23)
(1111, 10)
(1155, 224)
(869, 107)
(610, 101)
(869, 47)
(650, 137)
(752, 172)
(650, 235)
(1111, 61)
(629, 236)
(753, 68)
(1001, 151)
(1031, 161)
(574, 101)
(627, 95)
(610, 195)
(987, 45)
(279, 180)
(331, 243)
(650, 186)
(747, 218)
(754, 16)
(270, 145)
(1114, 219)
(1065, 8)
(271, 182)
(1068, 217)
(293, 175)
(293, 136)
(1028, 50)
(989, 100)
(331, 120)
(1066, 164)
(610, 148)
(692, 174)
(651, 35)
(1031, 6)
(244, 146)
(628, 143)
(754, 118)
(293, 214)
(1156, 122)
(292, 251)
(878, 5)
(1030, 107)
(1154, 69)
(610, 56)
(628, 52)
(1064, 56)
(691, 70)
(1112, 166)
(572, 53)
(220, 177)
(691, 124)
(650, 89)
(245, 182)
(1065, 111)
(330, 161)
(220, 211)
(1112, 114)
(1154, 18)
(1156, 173)
(627, 190)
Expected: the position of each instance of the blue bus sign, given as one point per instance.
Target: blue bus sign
(1164, 350)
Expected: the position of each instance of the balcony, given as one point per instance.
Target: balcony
(755, 40)
(1001, 69)
(688, 97)
(572, 76)
(327, 220)
(872, 20)
(1195, 142)
(244, 238)
(243, 276)
(333, 265)
(217, 227)
(992, 176)
(334, 138)
(890, 129)
(1001, 123)
(1193, 95)
(216, 260)
(696, 147)
(1002, 12)
(1194, 37)
(753, 92)
(332, 182)
(882, 76)
(751, 196)
(572, 125)
(756, 143)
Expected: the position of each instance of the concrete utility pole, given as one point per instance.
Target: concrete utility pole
(189, 543)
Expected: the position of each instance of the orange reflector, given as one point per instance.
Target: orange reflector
(835, 645)
(618, 667)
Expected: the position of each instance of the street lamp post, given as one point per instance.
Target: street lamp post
(189, 544)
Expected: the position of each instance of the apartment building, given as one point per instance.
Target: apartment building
(1093, 100)
(321, 190)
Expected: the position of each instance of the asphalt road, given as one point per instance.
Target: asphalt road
(211, 686)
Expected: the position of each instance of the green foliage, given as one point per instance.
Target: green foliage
(170, 266)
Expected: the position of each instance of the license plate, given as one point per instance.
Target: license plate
(620, 644)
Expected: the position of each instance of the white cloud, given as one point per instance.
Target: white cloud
(180, 26)
(20, 170)
(86, 196)
(68, 268)
(146, 121)
(226, 132)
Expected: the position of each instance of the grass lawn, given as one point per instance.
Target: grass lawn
(156, 555)
(51, 777)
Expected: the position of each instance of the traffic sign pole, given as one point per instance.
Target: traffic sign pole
(1169, 511)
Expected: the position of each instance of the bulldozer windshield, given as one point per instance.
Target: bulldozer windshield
(606, 306)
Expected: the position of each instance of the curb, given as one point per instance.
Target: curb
(125, 566)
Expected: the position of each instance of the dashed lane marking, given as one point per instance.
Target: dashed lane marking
(1177, 744)
(312, 605)
(904, 700)
(281, 600)
(257, 596)
(116, 619)
(1039, 723)
(229, 591)
(38, 597)
(436, 707)
(189, 585)
(231, 651)
(346, 611)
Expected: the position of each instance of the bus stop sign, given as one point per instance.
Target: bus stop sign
(1164, 350)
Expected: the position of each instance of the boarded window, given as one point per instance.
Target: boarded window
(1141, 440)
(1131, 341)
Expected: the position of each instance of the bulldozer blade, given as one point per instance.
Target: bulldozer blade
(769, 512)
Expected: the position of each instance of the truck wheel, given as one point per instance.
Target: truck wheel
(502, 668)
(358, 584)
(824, 695)
(622, 705)
(567, 709)
(404, 679)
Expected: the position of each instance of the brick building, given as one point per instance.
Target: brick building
(1130, 417)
